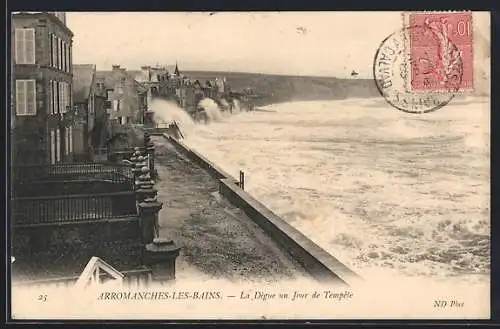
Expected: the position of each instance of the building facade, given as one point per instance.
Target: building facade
(42, 125)
(126, 96)
(84, 102)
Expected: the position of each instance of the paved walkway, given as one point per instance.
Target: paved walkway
(218, 240)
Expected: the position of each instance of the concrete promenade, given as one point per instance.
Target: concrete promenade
(218, 240)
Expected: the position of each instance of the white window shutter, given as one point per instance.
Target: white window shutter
(71, 140)
(51, 99)
(31, 97)
(52, 147)
(64, 56)
(58, 144)
(19, 39)
(54, 93)
(57, 52)
(54, 51)
(60, 97)
(60, 54)
(66, 141)
(20, 97)
(29, 42)
(115, 104)
(65, 90)
(50, 46)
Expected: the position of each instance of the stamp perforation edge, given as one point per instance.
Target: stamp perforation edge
(405, 15)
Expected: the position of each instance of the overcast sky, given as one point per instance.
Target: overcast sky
(303, 43)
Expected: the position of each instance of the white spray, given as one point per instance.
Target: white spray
(236, 105)
(211, 108)
(166, 112)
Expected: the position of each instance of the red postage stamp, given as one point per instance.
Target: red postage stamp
(440, 50)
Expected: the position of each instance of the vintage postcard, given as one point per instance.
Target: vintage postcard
(250, 165)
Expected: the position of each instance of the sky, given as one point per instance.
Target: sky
(295, 43)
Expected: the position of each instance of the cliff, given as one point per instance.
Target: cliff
(283, 88)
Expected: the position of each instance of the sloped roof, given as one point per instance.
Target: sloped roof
(112, 78)
(83, 76)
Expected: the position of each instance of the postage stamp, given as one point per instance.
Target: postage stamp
(391, 73)
(440, 47)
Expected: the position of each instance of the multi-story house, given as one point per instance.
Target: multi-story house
(84, 103)
(41, 88)
(127, 97)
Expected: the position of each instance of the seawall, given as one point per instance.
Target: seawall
(316, 261)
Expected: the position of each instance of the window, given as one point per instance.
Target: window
(62, 91)
(91, 104)
(66, 141)
(51, 43)
(25, 46)
(69, 59)
(63, 56)
(58, 145)
(54, 51)
(66, 49)
(115, 105)
(71, 140)
(60, 54)
(26, 97)
(50, 95)
(64, 96)
(109, 94)
(54, 96)
(52, 147)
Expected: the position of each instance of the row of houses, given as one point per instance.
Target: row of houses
(61, 111)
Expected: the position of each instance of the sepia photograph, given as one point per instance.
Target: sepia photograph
(250, 165)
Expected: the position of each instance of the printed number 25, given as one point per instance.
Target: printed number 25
(42, 298)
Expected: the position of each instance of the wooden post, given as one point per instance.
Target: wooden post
(242, 180)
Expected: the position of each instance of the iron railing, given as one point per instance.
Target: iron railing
(72, 208)
(72, 171)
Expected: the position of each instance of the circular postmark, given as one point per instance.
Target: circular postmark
(417, 69)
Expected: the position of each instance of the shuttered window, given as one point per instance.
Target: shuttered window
(66, 141)
(25, 46)
(64, 91)
(54, 97)
(69, 59)
(60, 54)
(26, 97)
(63, 56)
(51, 44)
(54, 51)
(50, 95)
(71, 140)
(52, 147)
(58, 144)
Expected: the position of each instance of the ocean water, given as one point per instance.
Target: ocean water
(386, 192)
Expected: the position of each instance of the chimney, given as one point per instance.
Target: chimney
(115, 67)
